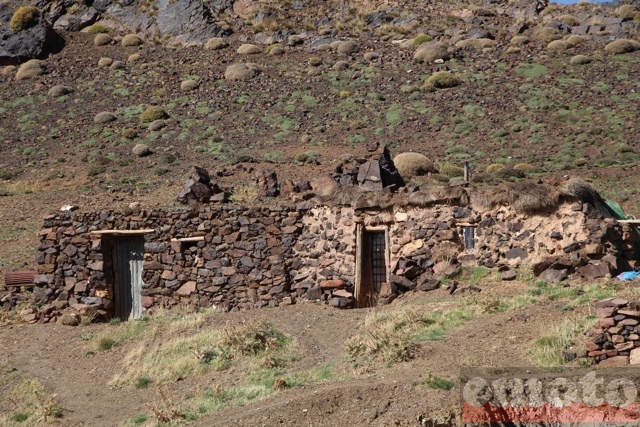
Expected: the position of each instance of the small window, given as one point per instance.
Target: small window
(468, 235)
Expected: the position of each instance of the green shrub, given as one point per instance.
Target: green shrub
(314, 61)
(6, 174)
(153, 113)
(532, 70)
(525, 167)
(451, 170)
(421, 39)
(97, 29)
(439, 383)
(105, 343)
(159, 171)
(129, 133)
(440, 80)
(307, 157)
(143, 382)
(495, 167)
(96, 170)
(24, 17)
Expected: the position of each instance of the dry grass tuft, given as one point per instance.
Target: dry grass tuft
(245, 195)
(165, 409)
(525, 197)
(250, 338)
(26, 402)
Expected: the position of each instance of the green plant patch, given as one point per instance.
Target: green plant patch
(532, 70)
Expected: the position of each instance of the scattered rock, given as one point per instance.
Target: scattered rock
(188, 85)
(59, 90)
(580, 60)
(117, 65)
(553, 276)
(104, 62)
(348, 47)
(241, 71)
(341, 65)
(141, 150)
(508, 275)
(104, 117)
(157, 125)
(431, 51)
(69, 319)
(371, 56)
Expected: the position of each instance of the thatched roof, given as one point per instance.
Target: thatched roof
(526, 197)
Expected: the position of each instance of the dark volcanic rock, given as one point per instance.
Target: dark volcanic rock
(36, 41)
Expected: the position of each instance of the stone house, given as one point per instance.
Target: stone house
(347, 247)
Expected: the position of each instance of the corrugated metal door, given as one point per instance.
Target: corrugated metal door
(129, 258)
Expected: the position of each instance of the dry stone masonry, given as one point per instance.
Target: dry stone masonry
(617, 341)
(233, 257)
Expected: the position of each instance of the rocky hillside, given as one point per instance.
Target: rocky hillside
(126, 96)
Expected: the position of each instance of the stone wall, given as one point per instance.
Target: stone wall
(240, 258)
(617, 341)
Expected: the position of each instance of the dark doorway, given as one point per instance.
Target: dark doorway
(128, 259)
(372, 267)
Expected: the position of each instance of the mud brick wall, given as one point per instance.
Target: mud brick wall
(617, 341)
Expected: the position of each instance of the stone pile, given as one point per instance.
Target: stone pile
(617, 341)
(201, 188)
(376, 174)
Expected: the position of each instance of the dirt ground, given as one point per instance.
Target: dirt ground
(376, 395)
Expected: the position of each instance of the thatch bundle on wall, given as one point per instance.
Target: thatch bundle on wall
(526, 197)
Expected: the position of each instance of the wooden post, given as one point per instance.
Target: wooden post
(466, 171)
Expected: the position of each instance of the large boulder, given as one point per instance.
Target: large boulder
(36, 41)
(189, 22)
(241, 71)
(198, 187)
(429, 52)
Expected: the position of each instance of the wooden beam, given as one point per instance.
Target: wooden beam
(629, 221)
(123, 232)
(189, 239)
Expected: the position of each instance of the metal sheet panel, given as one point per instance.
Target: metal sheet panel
(129, 259)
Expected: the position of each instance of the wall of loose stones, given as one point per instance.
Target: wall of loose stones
(254, 257)
(242, 262)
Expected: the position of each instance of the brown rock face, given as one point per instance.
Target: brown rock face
(615, 361)
(198, 187)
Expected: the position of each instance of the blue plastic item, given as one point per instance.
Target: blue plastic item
(629, 275)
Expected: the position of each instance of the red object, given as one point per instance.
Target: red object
(19, 278)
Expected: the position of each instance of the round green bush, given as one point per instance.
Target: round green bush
(24, 18)
(410, 165)
(440, 80)
(421, 39)
(97, 29)
(451, 170)
(153, 113)
(495, 167)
